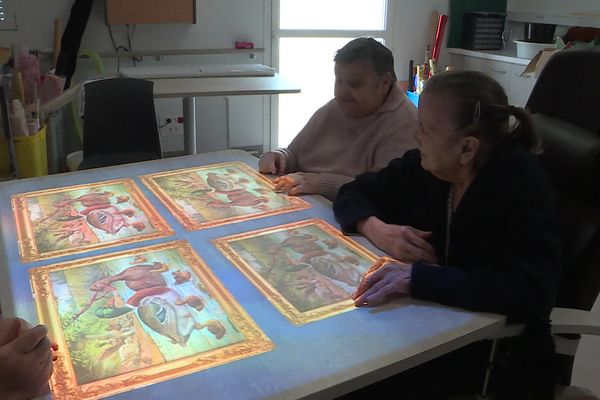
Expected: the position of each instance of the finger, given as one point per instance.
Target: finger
(423, 234)
(364, 299)
(367, 281)
(298, 189)
(281, 164)
(414, 238)
(30, 338)
(378, 297)
(414, 254)
(9, 330)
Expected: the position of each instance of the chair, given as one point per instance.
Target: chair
(564, 106)
(565, 112)
(119, 123)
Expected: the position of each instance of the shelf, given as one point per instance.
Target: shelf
(178, 52)
(577, 19)
(496, 55)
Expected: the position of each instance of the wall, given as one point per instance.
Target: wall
(219, 24)
(410, 32)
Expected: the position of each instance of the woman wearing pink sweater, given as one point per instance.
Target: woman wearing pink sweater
(369, 123)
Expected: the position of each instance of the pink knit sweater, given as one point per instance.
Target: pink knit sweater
(339, 147)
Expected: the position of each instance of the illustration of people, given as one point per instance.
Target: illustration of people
(235, 190)
(339, 268)
(65, 224)
(158, 306)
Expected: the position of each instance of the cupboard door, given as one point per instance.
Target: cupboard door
(520, 86)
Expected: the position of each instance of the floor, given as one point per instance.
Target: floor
(586, 371)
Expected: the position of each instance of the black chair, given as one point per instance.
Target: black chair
(565, 111)
(565, 107)
(119, 123)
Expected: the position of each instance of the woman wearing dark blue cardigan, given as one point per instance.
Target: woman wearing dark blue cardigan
(470, 216)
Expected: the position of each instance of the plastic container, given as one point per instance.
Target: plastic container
(30, 152)
(530, 49)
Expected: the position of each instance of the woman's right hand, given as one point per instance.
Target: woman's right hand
(401, 242)
(271, 163)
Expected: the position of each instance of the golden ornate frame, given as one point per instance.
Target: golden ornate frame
(294, 203)
(284, 306)
(25, 235)
(63, 381)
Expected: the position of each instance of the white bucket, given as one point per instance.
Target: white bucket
(74, 159)
(530, 49)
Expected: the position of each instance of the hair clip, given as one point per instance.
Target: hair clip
(477, 112)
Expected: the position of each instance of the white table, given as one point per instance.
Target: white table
(190, 88)
(319, 360)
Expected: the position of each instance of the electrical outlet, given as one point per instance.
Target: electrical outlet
(171, 125)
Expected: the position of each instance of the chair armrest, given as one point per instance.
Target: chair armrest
(569, 320)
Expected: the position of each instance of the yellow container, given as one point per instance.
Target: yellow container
(30, 152)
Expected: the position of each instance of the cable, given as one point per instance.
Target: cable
(129, 40)
(116, 48)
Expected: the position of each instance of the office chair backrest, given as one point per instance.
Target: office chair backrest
(120, 118)
(569, 88)
(566, 114)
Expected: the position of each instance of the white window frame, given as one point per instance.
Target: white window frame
(10, 18)
(277, 33)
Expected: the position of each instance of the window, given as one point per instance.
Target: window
(7, 15)
(304, 43)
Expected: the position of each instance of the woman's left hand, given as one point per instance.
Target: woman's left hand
(387, 280)
(297, 183)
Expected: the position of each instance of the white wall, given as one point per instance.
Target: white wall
(219, 24)
(410, 32)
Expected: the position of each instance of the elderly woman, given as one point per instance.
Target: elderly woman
(369, 123)
(470, 217)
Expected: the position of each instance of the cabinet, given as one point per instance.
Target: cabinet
(505, 69)
(150, 11)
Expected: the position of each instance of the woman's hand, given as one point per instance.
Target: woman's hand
(375, 287)
(25, 359)
(297, 183)
(271, 163)
(403, 243)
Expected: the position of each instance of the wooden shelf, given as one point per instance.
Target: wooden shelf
(150, 12)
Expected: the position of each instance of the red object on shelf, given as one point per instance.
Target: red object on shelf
(244, 45)
(439, 36)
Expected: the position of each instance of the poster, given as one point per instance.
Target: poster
(138, 317)
(307, 269)
(219, 194)
(71, 220)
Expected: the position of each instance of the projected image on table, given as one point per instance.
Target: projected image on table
(218, 194)
(75, 219)
(138, 317)
(307, 269)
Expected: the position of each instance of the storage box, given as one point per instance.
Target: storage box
(529, 50)
(30, 153)
(483, 30)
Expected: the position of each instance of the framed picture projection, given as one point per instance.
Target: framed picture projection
(219, 194)
(307, 269)
(70, 220)
(138, 317)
